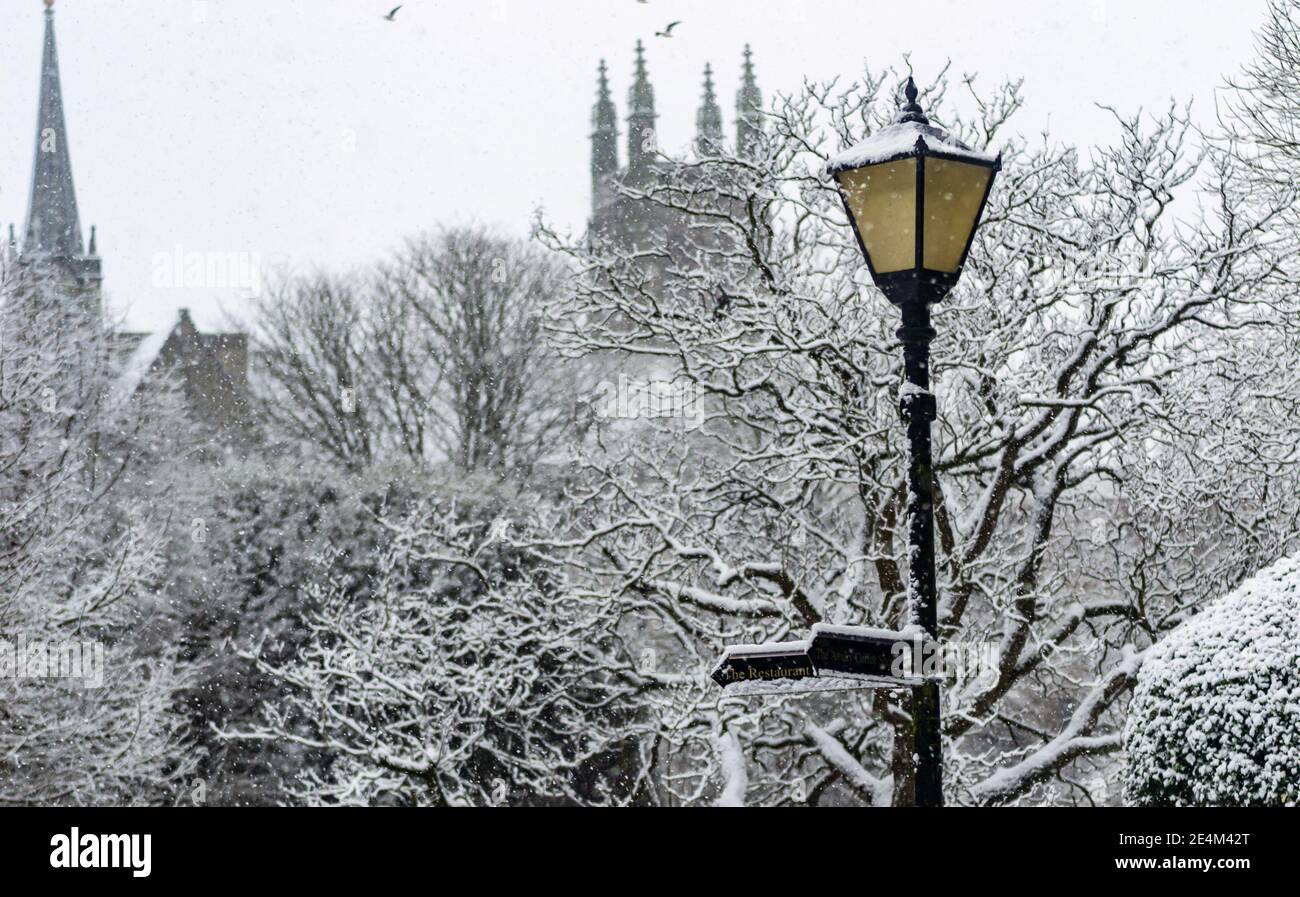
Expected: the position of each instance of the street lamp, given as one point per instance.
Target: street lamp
(914, 195)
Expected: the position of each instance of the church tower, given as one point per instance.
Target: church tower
(749, 108)
(59, 268)
(53, 239)
(708, 120)
(642, 141)
(637, 221)
(604, 142)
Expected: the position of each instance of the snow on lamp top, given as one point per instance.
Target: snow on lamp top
(910, 134)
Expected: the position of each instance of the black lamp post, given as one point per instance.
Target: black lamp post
(914, 195)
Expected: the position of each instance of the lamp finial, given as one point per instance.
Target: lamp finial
(911, 111)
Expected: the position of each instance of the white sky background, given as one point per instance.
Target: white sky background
(316, 133)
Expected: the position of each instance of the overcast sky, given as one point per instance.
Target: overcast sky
(315, 132)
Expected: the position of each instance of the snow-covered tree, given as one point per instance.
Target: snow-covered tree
(1215, 716)
(459, 671)
(1112, 300)
(273, 528)
(435, 355)
(1264, 112)
(82, 552)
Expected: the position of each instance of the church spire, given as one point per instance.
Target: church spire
(604, 140)
(53, 228)
(641, 138)
(708, 120)
(749, 106)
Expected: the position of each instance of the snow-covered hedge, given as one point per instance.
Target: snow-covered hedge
(1215, 717)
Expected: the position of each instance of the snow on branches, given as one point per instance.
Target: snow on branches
(1215, 716)
(82, 553)
(464, 673)
(1102, 374)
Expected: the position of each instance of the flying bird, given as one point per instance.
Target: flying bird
(667, 32)
(392, 16)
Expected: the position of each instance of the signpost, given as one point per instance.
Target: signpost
(773, 661)
(833, 657)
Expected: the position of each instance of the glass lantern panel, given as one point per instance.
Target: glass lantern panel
(953, 193)
(882, 201)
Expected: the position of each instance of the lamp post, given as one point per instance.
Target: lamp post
(914, 195)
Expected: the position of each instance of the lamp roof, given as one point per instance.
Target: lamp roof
(909, 134)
